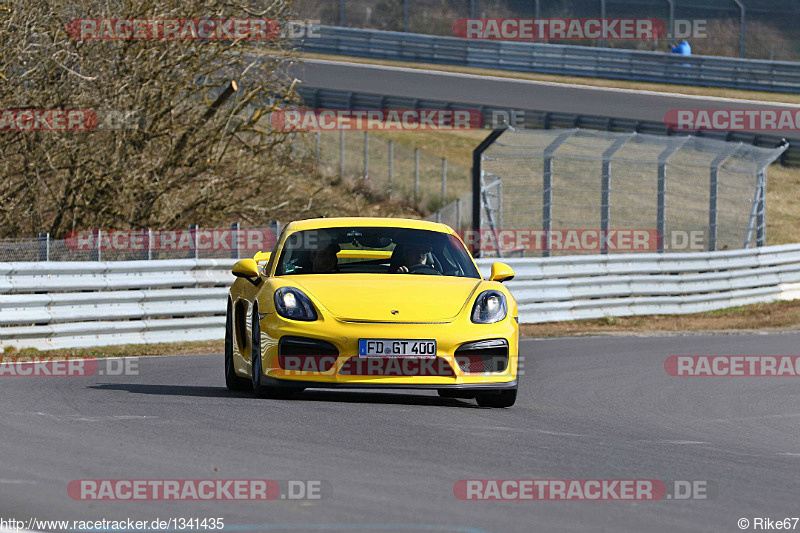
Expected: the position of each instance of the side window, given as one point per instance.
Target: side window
(273, 257)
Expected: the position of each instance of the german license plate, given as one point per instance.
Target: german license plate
(425, 348)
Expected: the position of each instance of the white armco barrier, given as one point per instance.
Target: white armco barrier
(52, 305)
(597, 286)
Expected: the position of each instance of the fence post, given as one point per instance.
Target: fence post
(605, 194)
(234, 240)
(416, 173)
(713, 195)
(44, 247)
(458, 214)
(444, 181)
(661, 195)
(547, 188)
(391, 165)
(317, 138)
(341, 153)
(761, 213)
(96, 254)
(193, 254)
(149, 244)
(366, 154)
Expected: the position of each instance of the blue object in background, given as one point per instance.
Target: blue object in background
(682, 48)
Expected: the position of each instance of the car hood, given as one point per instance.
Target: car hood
(368, 298)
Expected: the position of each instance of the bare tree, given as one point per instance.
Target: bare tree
(180, 134)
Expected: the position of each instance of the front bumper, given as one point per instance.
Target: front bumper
(344, 335)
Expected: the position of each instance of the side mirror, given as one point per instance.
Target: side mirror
(245, 268)
(262, 256)
(501, 272)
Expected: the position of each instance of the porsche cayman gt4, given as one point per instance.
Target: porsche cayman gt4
(371, 303)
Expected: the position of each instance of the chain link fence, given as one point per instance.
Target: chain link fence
(193, 242)
(688, 193)
(390, 168)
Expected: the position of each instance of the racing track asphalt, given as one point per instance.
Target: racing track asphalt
(509, 92)
(598, 407)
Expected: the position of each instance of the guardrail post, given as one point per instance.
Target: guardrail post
(193, 254)
(391, 165)
(44, 247)
(416, 173)
(547, 188)
(234, 240)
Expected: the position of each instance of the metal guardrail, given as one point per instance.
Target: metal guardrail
(319, 98)
(582, 287)
(52, 305)
(566, 60)
(47, 306)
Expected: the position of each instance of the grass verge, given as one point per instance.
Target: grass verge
(759, 317)
(127, 350)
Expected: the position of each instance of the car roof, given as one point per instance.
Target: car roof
(378, 222)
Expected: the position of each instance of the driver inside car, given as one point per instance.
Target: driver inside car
(412, 256)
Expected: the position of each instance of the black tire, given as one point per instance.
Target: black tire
(233, 382)
(501, 398)
(262, 391)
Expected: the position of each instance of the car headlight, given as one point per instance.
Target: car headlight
(490, 307)
(292, 303)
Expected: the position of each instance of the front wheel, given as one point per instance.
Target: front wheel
(501, 398)
(232, 381)
(262, 391)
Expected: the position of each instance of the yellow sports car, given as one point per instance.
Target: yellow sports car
(371, 303)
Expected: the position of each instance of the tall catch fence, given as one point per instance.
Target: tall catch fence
(685, 193)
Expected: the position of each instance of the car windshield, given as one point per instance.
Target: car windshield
(375, 250)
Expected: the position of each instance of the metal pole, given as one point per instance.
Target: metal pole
(477, 154)
(761, 213)
(234, 240)
(713, 195)
(661, 214)
(605, 194)
(405, 16)
(341, 153)
(473, 11)
(547, 187)
(391, 165)
(341, 13)
(193, 232)
(743, 11)
(366, 154)
(44, 247)
(602, 42)
(99, 245)
(317, 138)
(458, 214)
(416, 173)
(444, 180)
(671, 27)
(149, 244)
